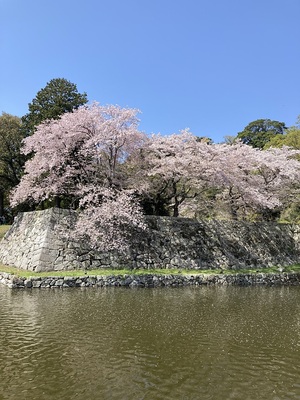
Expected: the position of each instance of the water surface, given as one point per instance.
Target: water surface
(182, 343)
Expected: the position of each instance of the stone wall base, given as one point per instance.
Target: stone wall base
(149, 280)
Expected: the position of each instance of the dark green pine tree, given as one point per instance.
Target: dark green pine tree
(56, 98)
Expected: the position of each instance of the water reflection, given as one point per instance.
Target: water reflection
(189, 343)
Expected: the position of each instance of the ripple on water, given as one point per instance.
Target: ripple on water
(200, 343)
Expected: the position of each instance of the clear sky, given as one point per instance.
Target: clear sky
(210, 65)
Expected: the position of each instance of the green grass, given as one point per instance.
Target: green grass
(75, 273)
(3, 230)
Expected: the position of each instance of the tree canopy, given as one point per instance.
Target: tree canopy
(80, 157)
(260, 132)
(290, 139)
(56, 98)
(11, 159)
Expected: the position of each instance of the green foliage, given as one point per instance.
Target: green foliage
(258, 133)
(291, 214)
(11, 160)
(290, 139)
(56, 98)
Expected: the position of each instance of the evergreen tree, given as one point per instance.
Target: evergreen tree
(11, 159)
(56, 98)
(260, 132)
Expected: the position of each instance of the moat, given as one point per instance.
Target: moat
(208, 342)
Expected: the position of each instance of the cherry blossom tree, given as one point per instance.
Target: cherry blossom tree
(262, 180)
(108, 218)
(81, 156)
(175, 169)
(87, 146)
(179, 167)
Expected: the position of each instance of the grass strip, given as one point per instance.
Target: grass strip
(122, 271)
(3, 230)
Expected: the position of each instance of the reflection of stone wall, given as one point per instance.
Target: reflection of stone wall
(35, 243)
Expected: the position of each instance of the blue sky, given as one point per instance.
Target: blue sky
(210, 65)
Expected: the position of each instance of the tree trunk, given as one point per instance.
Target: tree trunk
(176, 207)
(57, 201)
(233, 206)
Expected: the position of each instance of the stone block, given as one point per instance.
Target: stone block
(28, 283)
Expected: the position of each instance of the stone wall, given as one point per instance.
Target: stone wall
(38, 241)
(149, 280)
